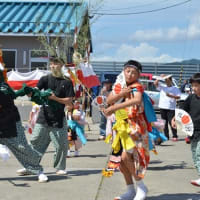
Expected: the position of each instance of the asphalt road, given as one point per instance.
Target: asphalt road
(168, 176)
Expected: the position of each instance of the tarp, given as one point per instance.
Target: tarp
(85, 74)
(16, 79)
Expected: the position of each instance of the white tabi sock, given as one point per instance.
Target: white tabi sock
(141, 191)
(129, 195)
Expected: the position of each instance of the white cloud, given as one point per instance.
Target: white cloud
(143, 53)
(101, 47)
(170, 34)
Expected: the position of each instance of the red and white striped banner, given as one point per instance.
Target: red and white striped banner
(87, 76)
(16, 79)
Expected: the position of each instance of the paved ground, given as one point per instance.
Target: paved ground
(168, 176)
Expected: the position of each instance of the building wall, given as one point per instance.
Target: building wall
(21, 44)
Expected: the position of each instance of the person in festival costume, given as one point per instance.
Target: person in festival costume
(131, 126)
(75, 121)
(11, 129)
(51, 123)
(192, 106)
(157, 135)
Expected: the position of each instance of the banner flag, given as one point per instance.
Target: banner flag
(16, 79)
(87, 75)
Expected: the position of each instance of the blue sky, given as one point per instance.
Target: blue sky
(165, 36)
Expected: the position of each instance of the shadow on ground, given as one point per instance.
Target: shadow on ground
(94, 156)
(70, 173)
(181, 196)
(165, 145)
(14, 180)
(84, 172)
(92, 140)
(155, 162)
(182, 165)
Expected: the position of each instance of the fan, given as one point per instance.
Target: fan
(184, 122)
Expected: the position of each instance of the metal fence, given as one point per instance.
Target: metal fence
(180, 72)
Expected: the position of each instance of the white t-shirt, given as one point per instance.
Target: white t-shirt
(166, 102)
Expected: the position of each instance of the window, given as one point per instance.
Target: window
(9, 58)
(148, 85)
(39, 59)
(152, 87)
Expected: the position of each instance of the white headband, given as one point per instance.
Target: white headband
(132, 66)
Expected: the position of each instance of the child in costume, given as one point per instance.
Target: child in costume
(192, 106)
(131, 126)
(75, 122)
(157, 134)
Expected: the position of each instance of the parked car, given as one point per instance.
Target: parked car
(151, 90)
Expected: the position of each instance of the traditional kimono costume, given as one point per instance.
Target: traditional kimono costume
(131, 133)
(76, 134)
(139, 134)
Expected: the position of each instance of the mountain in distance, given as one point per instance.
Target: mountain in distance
(187, 62)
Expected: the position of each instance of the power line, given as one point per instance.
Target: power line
(130, 7)
(142, 12)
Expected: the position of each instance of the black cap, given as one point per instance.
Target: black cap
(107, 81)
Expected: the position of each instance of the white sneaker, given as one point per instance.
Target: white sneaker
(61, 172)
(101, 137)
(23, 172)
(76, 153)
(68, 153)
(141, 191)
(42, 178)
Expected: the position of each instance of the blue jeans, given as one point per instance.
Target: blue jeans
(195, 148)
(102, 125)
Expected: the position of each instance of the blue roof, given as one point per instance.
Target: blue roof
(44, 17)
